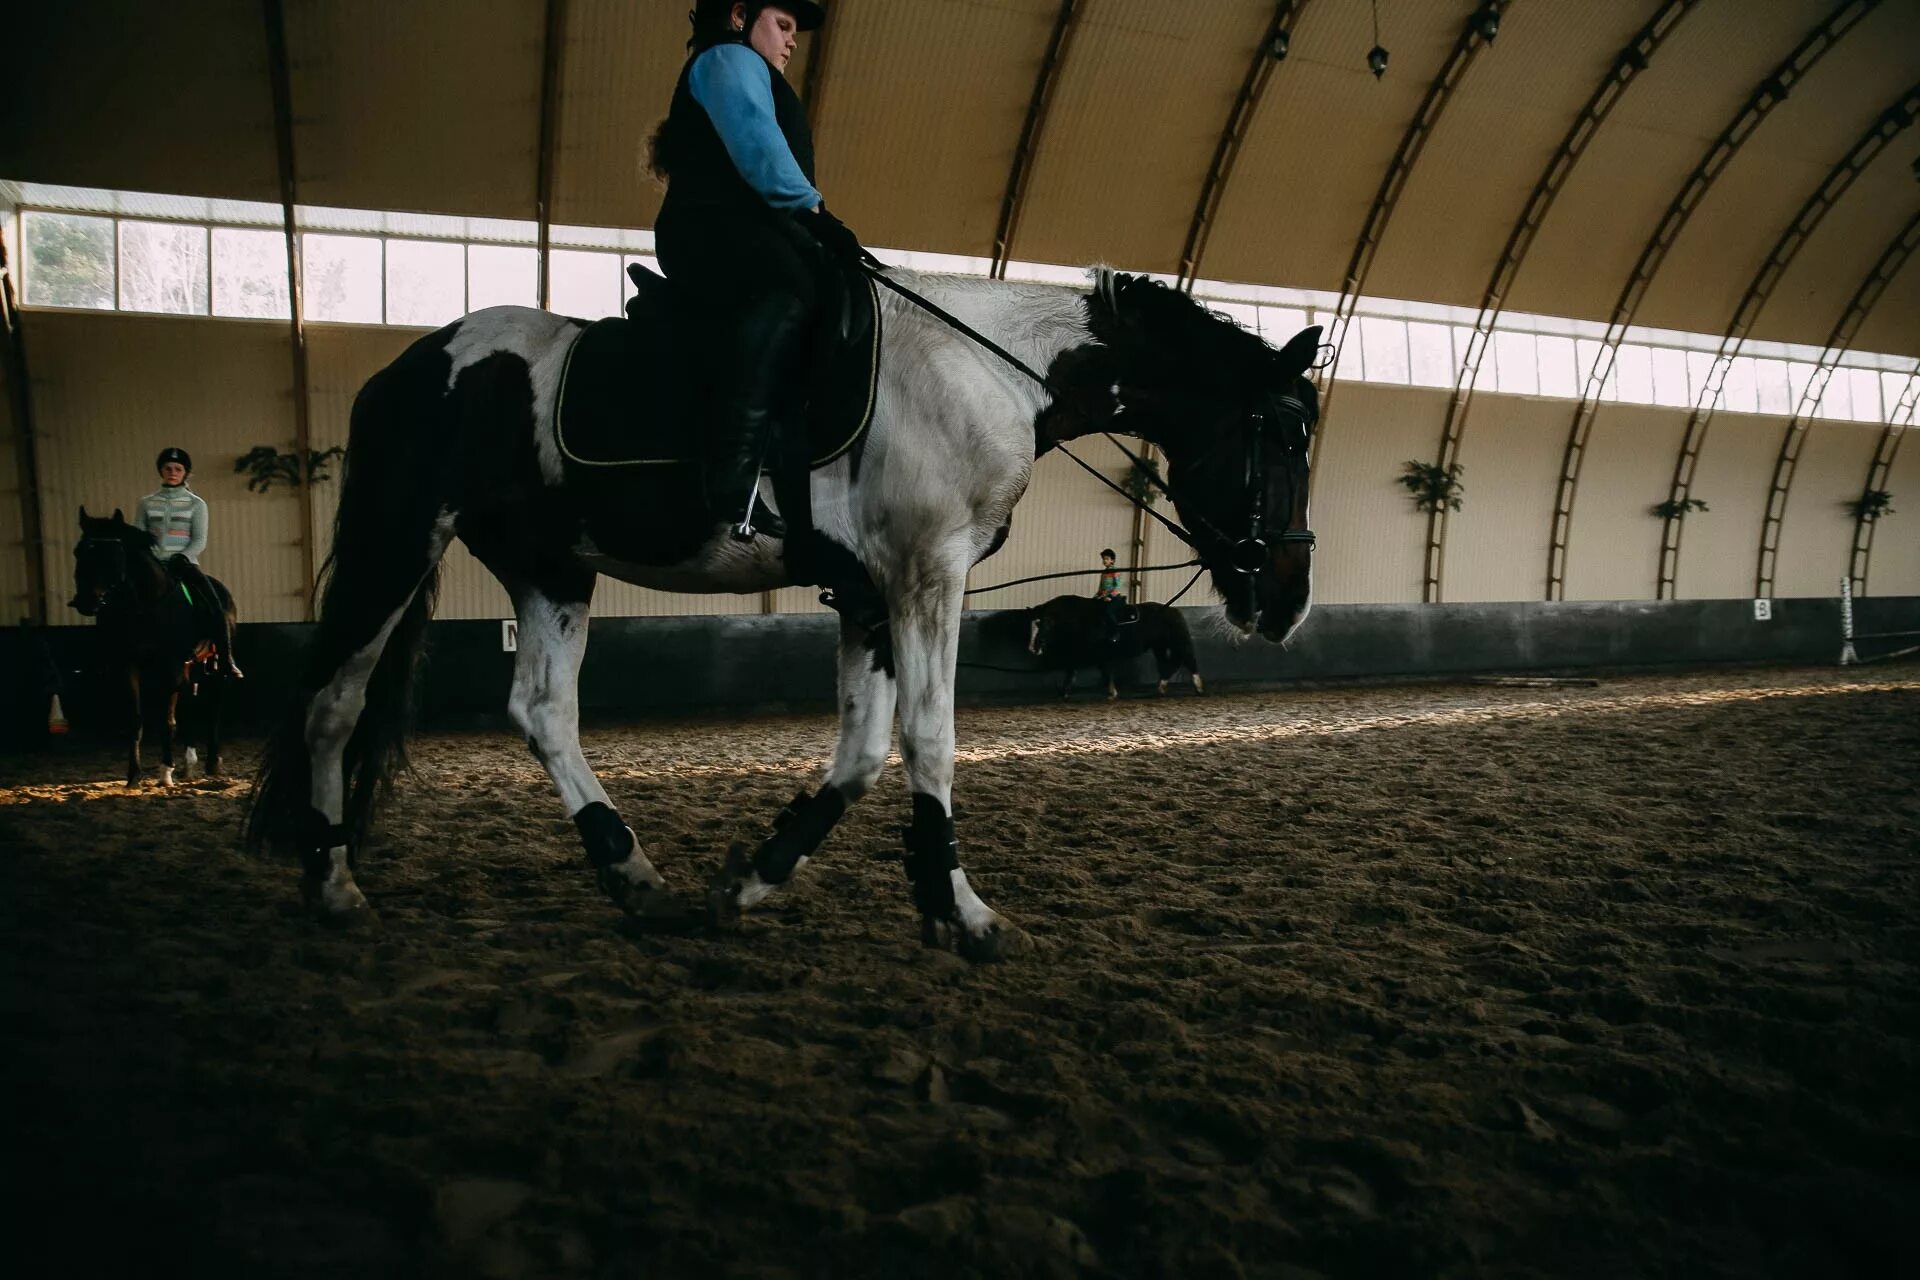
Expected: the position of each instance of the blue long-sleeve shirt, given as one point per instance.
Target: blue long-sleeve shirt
(733, 84)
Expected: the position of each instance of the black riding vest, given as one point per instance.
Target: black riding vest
(699, 170)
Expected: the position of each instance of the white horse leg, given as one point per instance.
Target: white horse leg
(926, 630)
(859, 754)
(545, 704)
(331, 716)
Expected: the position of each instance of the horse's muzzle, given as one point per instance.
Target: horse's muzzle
(85, 607)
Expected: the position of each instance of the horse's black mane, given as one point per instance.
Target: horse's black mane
(1179, 336)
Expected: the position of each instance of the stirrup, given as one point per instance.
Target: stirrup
(744, 530)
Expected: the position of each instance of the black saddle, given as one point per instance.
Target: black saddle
(594, 422)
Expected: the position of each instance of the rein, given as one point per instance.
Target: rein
(1078, 573)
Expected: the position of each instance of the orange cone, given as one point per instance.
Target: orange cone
(56, 718)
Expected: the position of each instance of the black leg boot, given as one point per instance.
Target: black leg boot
(762, 345)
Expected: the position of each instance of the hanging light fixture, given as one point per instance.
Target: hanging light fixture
(1487, 21)
(1279, 45)
(1377, 56)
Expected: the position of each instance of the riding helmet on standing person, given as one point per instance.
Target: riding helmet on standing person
(744, 233)
(176, 516)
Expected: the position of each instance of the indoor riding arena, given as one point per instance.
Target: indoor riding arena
(1323, 680)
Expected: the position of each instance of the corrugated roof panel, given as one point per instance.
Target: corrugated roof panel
(1613, 545)
(1316, 150)
(920, 112)
(1497, 542)
(1062, 523)
(430, 107)
(1814, 291)
(1816, 533)
(1715, 258)
(618, 70)
(109, 390)
(16, 592)
(1718, 549)
(1141, 100)
(1502, 127)
(1372, 541)
(140, 96)
(1895, 567)
(1695, 84)
(1894, 325)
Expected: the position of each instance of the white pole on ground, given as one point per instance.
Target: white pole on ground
(1847, 656)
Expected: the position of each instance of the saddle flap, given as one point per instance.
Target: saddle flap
(627, 392)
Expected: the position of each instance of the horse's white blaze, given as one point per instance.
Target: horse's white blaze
(1033, 637)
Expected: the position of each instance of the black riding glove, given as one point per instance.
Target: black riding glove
(837, 239)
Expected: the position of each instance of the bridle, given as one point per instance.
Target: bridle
(118, 580)
(1245, 555)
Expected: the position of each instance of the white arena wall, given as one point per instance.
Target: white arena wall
(109, 389)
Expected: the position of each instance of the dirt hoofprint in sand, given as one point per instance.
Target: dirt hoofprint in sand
(1415, 981)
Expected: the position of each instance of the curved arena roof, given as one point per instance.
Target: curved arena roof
(1536, 171)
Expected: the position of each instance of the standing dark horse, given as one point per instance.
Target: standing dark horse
(153, 633)
(456, 439)
(1070, 632)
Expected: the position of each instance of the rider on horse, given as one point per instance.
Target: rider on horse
(744, 233)
(176, 516)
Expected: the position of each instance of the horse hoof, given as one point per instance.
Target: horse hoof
(633, 886)
(166, 775)
(338, 906)
(997, 941)
(728, 884)
(360, 919)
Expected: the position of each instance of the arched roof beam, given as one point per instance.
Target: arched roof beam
(1769, 93)
(552, 44)
(1877, 472)
(1887, 126)
(1380, 213)
(1627, 65)
(1062, 40)
(281, 83)
(13, 360)
(1858, 308)
(1265, 58)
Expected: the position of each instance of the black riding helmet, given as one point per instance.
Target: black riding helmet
(173, 454)
(713, 19)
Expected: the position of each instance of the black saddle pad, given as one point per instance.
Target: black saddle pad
(615, 366)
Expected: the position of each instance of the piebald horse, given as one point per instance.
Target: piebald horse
(455, 439)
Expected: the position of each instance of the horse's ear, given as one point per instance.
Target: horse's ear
(117, 517)
(1298, 355)
(84, 517)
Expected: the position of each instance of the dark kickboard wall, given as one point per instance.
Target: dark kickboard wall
(692, 666)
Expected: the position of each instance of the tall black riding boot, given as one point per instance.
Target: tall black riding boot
(760, 360)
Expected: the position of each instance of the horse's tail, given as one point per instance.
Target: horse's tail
(380, 580)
